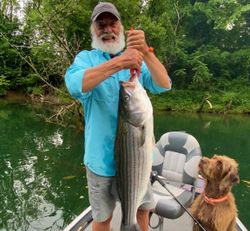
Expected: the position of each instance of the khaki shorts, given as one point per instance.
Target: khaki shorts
(103, 196)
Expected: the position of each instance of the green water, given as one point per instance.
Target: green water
(42, 181)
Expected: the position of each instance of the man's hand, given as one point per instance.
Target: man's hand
(131, 58)
(136, 40)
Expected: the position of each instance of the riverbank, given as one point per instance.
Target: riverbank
(217, 102)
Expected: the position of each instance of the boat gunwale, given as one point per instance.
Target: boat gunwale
(87, 212)
(85, 215)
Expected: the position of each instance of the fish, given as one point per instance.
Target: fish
(133, 150)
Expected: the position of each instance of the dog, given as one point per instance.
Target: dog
(215, 208)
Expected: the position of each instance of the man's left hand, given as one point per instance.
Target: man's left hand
(136, 40)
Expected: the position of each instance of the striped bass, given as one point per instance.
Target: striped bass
(133, 150)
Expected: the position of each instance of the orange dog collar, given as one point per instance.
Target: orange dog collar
(212, 201)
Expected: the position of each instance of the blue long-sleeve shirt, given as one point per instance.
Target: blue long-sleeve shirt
(100, 107)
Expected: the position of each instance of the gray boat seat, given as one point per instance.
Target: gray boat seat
(176, 159)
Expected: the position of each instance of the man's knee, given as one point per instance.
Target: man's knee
(142, 212)
(101, 226)
(108, 220)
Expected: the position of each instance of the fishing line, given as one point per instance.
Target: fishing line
(155, 177)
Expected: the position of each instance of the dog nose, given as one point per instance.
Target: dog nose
(200, 164)
(202, 161)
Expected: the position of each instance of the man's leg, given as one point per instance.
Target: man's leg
(143, 219)
(101, 226)
(101, 199)
(143, 211)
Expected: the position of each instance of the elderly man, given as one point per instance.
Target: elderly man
(94, 79)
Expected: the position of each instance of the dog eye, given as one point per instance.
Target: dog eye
(219, 164)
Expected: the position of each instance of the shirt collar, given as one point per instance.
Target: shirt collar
(107, 55)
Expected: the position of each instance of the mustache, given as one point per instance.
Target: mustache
(108, 36)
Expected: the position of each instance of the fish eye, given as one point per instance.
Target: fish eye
(126, 98)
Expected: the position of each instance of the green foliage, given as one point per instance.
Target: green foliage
(205, 45)
(202, 77)
(4, 84)
(231, 101)
(11, 64)
(29, 80)
(38, 90)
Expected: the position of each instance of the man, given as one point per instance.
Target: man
(94, 79)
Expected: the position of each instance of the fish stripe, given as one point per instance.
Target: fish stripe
(133, 154)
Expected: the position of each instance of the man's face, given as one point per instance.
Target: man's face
(108, 34)
(107, 27)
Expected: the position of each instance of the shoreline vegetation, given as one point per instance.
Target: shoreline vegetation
(64, 111)
(203, 44)
(216, 102)
(175, 100)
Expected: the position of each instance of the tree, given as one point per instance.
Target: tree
(202, 43)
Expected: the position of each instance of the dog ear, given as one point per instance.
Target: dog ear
(234, 177)
(231, 178)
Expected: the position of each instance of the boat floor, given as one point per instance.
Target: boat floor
(184, 223)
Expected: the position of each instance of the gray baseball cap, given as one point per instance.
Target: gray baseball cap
(104, 7)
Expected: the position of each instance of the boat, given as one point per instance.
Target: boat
(184, 223)
(175, 181)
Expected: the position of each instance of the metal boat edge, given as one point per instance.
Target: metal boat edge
(81, 221)
(85, 218)
(240, 225)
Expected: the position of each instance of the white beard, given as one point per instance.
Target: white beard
(109, 47)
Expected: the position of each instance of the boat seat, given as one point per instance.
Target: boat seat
(176, 159)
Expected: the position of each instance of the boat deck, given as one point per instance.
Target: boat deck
(183, 223)
(168, 224)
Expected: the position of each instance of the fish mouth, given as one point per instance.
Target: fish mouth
(127, 87)
(127, 84)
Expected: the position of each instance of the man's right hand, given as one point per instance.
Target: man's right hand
(131, 58)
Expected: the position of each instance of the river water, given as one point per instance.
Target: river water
(42, 179)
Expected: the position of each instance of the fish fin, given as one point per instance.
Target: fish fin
(143, 136)
(134, 227)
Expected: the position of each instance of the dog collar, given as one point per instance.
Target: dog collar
(212, 201)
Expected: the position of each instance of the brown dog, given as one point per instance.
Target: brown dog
(215, 208)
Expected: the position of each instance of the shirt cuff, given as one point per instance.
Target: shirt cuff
(74, 84)
(158, 89)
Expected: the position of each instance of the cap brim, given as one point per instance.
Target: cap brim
(94, 18)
